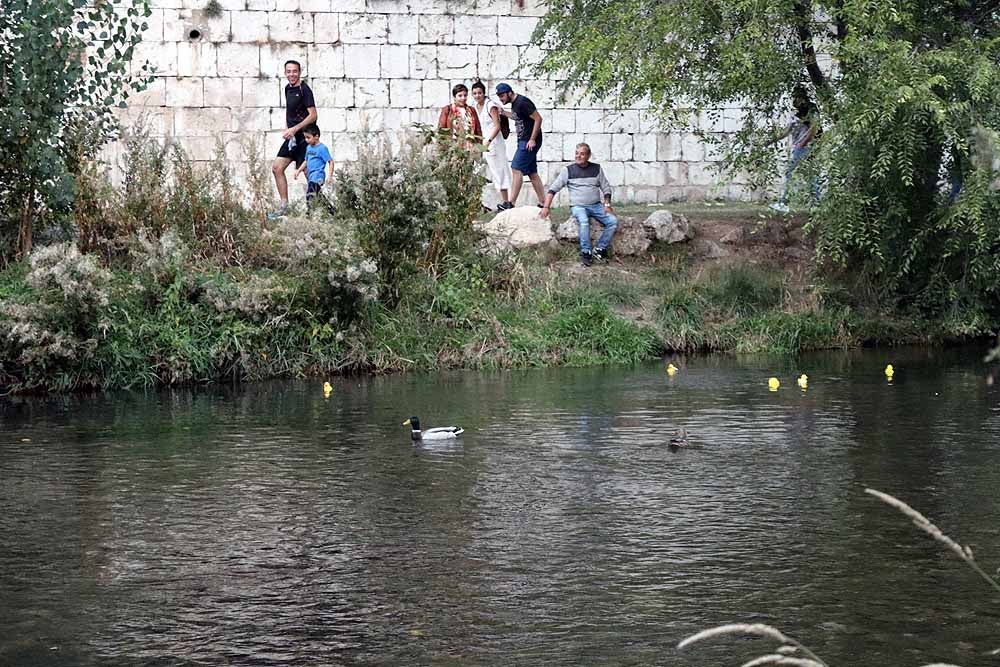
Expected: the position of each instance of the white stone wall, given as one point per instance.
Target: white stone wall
(384, 64)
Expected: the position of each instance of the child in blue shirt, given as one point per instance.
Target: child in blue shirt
(317, 159)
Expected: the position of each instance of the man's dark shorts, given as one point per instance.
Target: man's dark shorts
(525, 161)
(298, 153)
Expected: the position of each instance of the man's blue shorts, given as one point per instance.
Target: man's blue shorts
(526, 161)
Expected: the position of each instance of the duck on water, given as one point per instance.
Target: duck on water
(438, 433)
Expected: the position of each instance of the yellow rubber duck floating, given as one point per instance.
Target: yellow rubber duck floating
(327, 389)
(889, 371)
(773, 384)
(803, 381)
(671, 370)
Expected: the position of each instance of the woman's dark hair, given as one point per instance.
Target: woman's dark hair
(480, 85)
(459, 88)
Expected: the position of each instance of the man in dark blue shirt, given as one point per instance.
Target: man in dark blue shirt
(528, 122)
(300, 113)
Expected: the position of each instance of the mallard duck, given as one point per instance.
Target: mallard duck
(680, 440)
(439, 433)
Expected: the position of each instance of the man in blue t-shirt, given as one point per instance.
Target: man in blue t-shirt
(300, 112)
(528, 122)
(315, 166)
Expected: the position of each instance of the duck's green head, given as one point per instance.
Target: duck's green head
(413, 423)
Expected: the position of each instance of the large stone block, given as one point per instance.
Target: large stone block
(561, 120)
(423, 62)
(388, 7)
(644, 147)
(475, 29)
(615, 173)
(394, 61)
(223, 92)
(249, 27)
(435, 29)
(600, 146)
(274, 56)
(154, 26)
(337, 93)
(326, 28)
(364, 28)
(258, 92)
(552, 148)
(498, 62)
(154, 95)
(516, 29)
(701, 173)
(675, 173)
(249, 119)
(326, 60)
(403, 29)
(691, 148)
(668, 148)
(371, 93)
(345, 147)
(238, 60)
(530, 8)
(161, 56)
(405, 93)
(485, 7)
(260, 5)
(361, 60)
(290, 27)
(649, 174)
(158, 122)
(623, 121)
(621, 147)
(457, 62)
(202, 122)
(436, 94)
(185, 92)
(542, 93)
(331, 120)
(528, 58)
(316, 7)
(435, 6)
(589, 121)
(196, 59)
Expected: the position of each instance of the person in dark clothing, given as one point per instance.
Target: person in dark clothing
(528, 122)
(300, 112)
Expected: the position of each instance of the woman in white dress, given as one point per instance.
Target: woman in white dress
(496, 157)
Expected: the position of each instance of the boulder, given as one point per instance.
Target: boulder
(667, 227)
(518, 228)
(630, 237)
(711, 250)
(735, 237)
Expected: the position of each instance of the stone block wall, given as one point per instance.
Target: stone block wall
(383, 65)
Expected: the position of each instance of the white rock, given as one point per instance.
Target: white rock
(519, 227)
(665, 226)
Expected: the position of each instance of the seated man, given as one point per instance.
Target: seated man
(587, 187)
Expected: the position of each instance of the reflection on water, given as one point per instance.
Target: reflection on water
(268, 525)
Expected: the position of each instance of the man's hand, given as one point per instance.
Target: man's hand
(544, 213)
(609, 207)
(531, 145)
(287, 134)
(297, 175)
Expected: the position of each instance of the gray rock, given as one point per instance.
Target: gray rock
(568, 231)
(736, 237)
(630, 237)
(711, 250)
(667, 227)
(798, 252)
(517, 228)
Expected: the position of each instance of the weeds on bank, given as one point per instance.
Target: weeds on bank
(793, 653)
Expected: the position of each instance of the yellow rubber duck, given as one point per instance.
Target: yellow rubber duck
(889, 371)
(773, 384)
(671, 370)
(327, 389)
(803, 381)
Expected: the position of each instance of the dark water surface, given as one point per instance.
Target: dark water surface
(266, 525)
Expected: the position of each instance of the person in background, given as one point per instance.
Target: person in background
(803, 125)
(315, 165)
(528, 122)
(588, 188)
(300, 111)
(490, 120)
(460, 118)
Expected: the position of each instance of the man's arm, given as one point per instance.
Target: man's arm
(302, 168)
(561, 181)
(310, 119)
(535, 131)
(605, 186)
(810, 133)
(329, 178)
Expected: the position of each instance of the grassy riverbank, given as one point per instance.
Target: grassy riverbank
(171, 281)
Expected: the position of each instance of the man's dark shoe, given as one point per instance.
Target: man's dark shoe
(586, 258)
(601, 254)
(504, 205)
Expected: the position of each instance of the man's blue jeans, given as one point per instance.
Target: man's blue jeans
(583, 214)
(798, 155)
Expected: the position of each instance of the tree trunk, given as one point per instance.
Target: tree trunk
(24, 233)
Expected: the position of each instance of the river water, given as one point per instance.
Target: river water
(268, 525)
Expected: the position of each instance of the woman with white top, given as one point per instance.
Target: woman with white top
(496, 157)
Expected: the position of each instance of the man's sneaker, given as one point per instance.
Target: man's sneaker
(780, 207)
(586, 258)
(281, 212)
(504, 205)
(601, 254)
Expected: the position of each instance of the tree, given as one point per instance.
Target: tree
(64, 67)
(908, 91)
